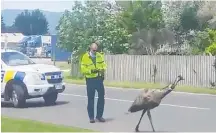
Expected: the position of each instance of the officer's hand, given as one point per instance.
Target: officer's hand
(94, 71)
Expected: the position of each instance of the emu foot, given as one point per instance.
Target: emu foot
(137, 129)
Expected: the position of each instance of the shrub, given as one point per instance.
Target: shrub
(211, 49)
(204, 41)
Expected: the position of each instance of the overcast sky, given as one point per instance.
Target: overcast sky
(49, 5)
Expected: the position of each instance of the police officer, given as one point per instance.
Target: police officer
(93, 67)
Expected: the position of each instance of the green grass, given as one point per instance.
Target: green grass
(21, 125)
(139, 85)
(63, 65)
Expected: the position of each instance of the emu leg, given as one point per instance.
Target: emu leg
(150, 119)
(137, 126)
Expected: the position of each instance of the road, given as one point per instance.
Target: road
(177, 112)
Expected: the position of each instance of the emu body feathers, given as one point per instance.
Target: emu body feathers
(149, 99)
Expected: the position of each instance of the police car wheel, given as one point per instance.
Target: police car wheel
(50, 99)
(18, 96)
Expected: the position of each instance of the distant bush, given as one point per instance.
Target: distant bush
(211, 49)
(204, 41)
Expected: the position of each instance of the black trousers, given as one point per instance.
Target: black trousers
(95, 84)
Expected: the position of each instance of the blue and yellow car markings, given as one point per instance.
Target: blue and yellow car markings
(19, 76)
(10, 74)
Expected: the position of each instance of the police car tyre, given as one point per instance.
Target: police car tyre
(50, 99)
(18, 96)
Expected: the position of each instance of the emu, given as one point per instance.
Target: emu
(149, 99)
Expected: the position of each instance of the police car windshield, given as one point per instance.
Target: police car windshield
(15, 59)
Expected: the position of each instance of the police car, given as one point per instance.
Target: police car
(23, 79)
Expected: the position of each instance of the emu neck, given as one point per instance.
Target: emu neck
(169, 88)
(166, 91)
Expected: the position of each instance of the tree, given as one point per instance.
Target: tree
(115, 37)
(39, 23)
(211, 49)
(94, 21)
(171, 13)
(207, 14)
(204, 41)
(189, 19)
(3, 26)
(144, 21)
(31, 23)
(137, 15)
(173, 10)
(181, 18)
(73, 32)
(149, 41)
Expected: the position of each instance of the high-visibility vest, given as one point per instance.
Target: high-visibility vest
(87, 64)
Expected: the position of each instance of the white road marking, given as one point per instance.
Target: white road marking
(133, 89)
(122, 100)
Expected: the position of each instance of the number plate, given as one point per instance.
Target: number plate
(58, 86)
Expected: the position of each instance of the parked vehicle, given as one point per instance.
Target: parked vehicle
(23, 79)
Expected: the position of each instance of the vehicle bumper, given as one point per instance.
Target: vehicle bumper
(40, 90)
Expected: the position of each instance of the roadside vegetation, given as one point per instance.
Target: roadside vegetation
(20, 125)
(63, 65)
(140, 85)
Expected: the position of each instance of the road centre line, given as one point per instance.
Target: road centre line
(122, 100)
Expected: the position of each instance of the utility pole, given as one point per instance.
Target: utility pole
(31, 29)
(54, 50)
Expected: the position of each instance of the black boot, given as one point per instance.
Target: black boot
(101, 119)
(92, 121)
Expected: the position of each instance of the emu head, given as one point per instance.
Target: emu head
(179, 78)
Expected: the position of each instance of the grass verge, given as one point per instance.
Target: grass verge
(63, 65)
(20, 125)
(139, 85)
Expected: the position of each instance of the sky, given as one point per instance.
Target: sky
(48, 5)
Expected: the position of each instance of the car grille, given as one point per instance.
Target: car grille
(54, 81)
(53, 77)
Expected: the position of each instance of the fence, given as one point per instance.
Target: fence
(197, 70)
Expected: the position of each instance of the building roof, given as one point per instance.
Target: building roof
(12, 37)
(19, 37)
(8, 50)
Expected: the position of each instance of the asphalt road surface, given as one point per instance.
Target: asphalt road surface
(177, 113)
